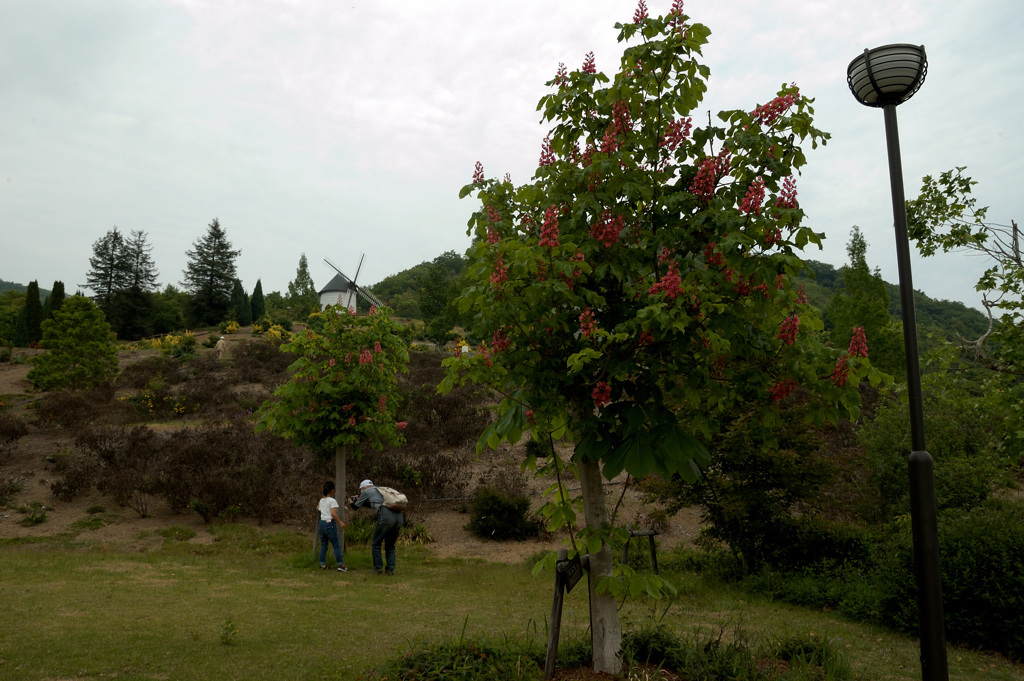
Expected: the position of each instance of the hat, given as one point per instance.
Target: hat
(365, 483)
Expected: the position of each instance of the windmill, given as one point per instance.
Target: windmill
(342, 290)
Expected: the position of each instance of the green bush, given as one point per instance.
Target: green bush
(495, 515)
(468, 660)
(982, 578)
(81, 354)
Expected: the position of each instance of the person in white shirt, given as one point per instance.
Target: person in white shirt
(328, 529)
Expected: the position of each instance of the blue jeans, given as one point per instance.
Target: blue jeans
(385, 532)
(329, 533)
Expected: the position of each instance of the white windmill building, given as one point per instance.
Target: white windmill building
(341, 290)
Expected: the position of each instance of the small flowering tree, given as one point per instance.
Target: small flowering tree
(640, 290)
(343, 389)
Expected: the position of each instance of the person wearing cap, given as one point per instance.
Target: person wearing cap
(385, 530)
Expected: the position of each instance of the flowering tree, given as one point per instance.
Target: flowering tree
(343, 391)
(640, 289)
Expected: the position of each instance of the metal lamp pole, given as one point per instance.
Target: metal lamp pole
(886, 77)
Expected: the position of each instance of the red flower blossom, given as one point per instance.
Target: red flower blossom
(382, 403)
(841, 373)
(588, 63)
(646, 338)
(711, 169)
(478, 173)
(670, 283)
(352, 421)
(373, 310)
(782, 389)
(500, 341)
(787, 197)
(365, 357)
(641, 12)
(330, 362)
(858, 343)
(549, 231)
(602, 394)
(500, 274)
(401, 425)
(754, 197)
(377, 347)
(587, 323)
(766, 114)
(562, 77)
(547, 156)
(607, 228)
(676, 132)
(788, 331)
(492, 236)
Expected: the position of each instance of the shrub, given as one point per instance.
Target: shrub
(468, 660)
(81, 354)
(982, 578)
(261, 363)
(73, 409)
(34, 512)
(78, 477)
(129, 464)
(499, 516)
(139, 374)
(12, 429)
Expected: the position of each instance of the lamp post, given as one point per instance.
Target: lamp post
(884, 78)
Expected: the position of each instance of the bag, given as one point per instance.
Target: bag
(393, 499)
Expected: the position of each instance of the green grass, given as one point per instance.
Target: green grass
(254, 606)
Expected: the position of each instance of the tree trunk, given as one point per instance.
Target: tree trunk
(340, 492)
(605, 631)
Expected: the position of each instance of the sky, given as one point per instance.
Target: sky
(337, 128)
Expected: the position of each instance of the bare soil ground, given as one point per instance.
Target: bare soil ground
(29, 462)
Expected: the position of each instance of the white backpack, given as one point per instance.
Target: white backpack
(393, 499)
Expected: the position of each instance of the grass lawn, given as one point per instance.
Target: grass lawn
(252, 606)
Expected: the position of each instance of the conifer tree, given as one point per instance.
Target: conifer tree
(107, 273)
(302, 297)
(81, 354)
(54, 301)
(257, 305)
(209, 276)
(29, 326)
(240, 305)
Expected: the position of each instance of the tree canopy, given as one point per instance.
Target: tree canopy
(209, 276)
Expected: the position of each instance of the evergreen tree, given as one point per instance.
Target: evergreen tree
(29, 329)
(209, 276)
(257, 305)
(108, 271)
(81, 354)
(54, 300)
(864, 302)
(240, 305)
(302, 296)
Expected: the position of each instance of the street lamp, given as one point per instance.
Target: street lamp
(884, 78)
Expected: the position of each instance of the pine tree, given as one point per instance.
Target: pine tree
(864, 302)
(257, 305)
(209, 276)
(33, 319)
(108, 272)
(240, 305)
(54, 301)
(302, 296)
(81, 353)
(133, 305)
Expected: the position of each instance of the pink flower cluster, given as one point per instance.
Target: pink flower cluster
(547, 156)
(841, 373)
(365, 357)
(754, 197)
(373, 310)
(587, 323)
(562, 77)
(549, 231)
(711, 169)
(500, 274)
(671, 284)
(602, 394)
(401, 424)
(492, 236)
(676, 132)
(787, 197)
(676, 16)
(377, 348)
(478, 173)
(645, 339)
(500, 341)
(766, 114)
(788, 329)
(382, 404)
(607, 228)
(858, 343)
(782, 389)
(493, 215)
(641, 12)
(712, 256)
(588, 63)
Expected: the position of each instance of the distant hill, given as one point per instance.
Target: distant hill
(12, 286)
(945, 317)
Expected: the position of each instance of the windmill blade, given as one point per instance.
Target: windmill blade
(360, 267)
(369, 297)
(336, 269)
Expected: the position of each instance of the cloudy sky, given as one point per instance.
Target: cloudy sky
(340, 127)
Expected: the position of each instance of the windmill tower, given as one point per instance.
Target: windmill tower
(342, 290)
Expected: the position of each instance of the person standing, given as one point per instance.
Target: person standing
(328, 529)
(385, 530)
